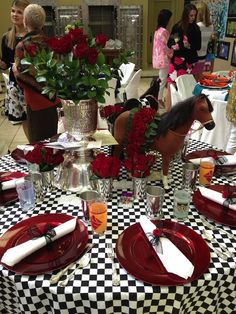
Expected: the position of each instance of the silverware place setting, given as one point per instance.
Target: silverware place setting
(80, 263)
(111, 255)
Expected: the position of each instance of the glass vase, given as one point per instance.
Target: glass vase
(139, 187)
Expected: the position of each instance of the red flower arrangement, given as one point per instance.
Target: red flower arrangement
(142, 130)
(104, 166)
(45, 157)
(72, 66)
(110, 112)
(139, 165)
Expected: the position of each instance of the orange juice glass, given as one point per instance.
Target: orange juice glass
(98, 216)
(206, 170)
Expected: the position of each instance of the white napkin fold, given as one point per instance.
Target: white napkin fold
(11, 184)
(172, 258)
(230, 160)
(215, 197)
(15, 254)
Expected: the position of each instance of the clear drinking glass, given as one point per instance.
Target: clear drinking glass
(155, 198)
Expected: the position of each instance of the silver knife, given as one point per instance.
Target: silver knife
(55, 278)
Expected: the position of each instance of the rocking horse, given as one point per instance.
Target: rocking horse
(172, 129)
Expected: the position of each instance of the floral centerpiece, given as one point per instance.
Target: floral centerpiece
(105, 169)
(73, 68)
(46, 158)
(104, 166)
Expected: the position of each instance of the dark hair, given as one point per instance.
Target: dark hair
(163, 18)
(185, 19)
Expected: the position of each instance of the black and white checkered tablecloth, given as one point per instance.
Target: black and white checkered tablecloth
(91, 291)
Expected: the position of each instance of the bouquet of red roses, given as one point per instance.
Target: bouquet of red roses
(104, 166)
(139, 165)
(47, 158)
(110, 112)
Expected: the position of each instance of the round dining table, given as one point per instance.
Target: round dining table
(91, 290)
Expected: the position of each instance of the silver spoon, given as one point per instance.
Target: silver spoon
(83, 262)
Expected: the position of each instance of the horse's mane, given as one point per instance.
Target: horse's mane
(180, 114)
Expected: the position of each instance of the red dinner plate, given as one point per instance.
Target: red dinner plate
(219, 169)
(53, 256)
(9, 196)
(136, 255)
(212, 210)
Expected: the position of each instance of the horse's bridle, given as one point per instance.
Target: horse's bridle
(201, 126)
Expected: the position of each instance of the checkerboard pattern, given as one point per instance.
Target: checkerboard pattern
(91, 290)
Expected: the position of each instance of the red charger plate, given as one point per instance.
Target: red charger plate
(212, 210)
(57, 254)
(136, 255)
(219, 169)
(9, 196)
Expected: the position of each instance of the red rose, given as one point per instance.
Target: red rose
(92, 55)
(77, 36)
(80, 50)
(101, 40)
(31, 50)
(157, 233)
(60, 44)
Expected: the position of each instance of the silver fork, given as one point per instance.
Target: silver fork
(210, 226)
(111, 255)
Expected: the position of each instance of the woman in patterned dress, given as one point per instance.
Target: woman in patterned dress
(161, 53)
(14, 102)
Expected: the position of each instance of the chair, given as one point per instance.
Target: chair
(127, 72)
(131, 90)
(184, 88)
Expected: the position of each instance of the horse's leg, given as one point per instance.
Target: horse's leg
(117, 150)
(165, 169)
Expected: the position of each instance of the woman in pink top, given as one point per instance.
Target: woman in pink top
(161, 53)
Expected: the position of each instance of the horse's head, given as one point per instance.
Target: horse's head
(202, 112)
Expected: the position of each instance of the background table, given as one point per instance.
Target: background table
(92, 292)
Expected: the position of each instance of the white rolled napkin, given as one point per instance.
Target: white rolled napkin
(15, 254)
(172, 258)
(215, 197)
(230, 160)
(11, 184)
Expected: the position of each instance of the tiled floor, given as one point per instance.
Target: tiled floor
(13, 135)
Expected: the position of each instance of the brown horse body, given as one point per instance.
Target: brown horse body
(173, 128)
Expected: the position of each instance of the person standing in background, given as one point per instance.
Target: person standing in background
(14, 103)
(206, 28)
(161, 54)
(42, 116)
(185, 39)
